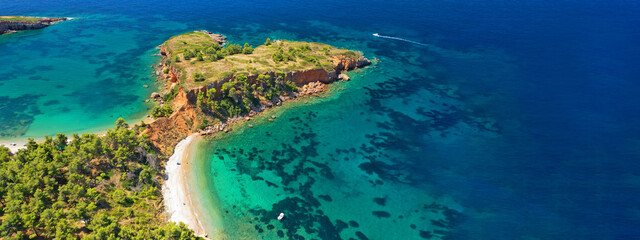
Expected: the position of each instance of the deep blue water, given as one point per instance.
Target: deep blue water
(558, 78)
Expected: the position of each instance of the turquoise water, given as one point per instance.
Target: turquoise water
(331, 166)
(76, 76)
(519, 120)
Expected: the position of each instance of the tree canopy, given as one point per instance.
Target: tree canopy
(164, 111)
(90, 187)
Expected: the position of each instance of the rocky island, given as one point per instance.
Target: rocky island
(12, 24)
(211, 83)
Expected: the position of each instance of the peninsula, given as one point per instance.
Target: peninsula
(109, 185)
(210, 84)
(12, 24)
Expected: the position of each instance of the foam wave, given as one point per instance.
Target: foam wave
(400, 39)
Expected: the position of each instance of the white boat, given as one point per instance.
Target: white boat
(281, 216)
(376, 34)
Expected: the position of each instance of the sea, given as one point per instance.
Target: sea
(479, 120)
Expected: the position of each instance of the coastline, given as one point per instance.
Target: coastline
(206, 222)
(21, 142)
(100, 131)
(177, 200)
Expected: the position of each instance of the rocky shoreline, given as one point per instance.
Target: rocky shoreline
(166, 132)
(7, 27)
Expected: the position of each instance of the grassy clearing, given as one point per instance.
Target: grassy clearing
(291, 56)
(19, 19)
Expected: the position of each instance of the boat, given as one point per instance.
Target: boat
(281, 216)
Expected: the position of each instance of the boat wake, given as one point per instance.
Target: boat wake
(400, 39)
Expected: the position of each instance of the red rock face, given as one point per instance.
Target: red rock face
(173, 77)
(303, 77)
(344, 63)
(164, 133)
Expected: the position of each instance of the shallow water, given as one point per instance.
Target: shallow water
(76, 76)
(519, 120)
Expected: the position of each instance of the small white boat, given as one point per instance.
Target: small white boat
(281, 216)
(376, 34)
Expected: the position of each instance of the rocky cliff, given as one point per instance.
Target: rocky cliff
(14, 26)
(165, 133)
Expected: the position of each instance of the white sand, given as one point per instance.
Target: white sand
(14, 149)
(7, 142)
(175, 192)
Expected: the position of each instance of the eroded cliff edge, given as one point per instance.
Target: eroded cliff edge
(210, 87)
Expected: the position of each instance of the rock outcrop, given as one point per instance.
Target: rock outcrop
(14, 26)
(344, 63)
(301, 78)
(219, 38)
(344, 77)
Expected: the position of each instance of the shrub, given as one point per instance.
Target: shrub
(281, 56)
(233, 49)
(211, 93)
(164, 111)
(263, 79)
(200, 102)
(268, 42)
(326, 50)
(241, 78)
(198, 77)
(247, 49)
(171, 94)
(351, 54)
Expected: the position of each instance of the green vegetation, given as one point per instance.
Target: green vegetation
(245, 76)
(350, 54)
(19, 19)
(282, 56)
(238, 95)
(198, 77)
(233, 48)
(93, 188)
(175, 59)
(169, 96)
(164, 111)
(196, 52)
(247, 49)
(293, 52)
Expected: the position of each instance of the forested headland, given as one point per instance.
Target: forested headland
(86, 186)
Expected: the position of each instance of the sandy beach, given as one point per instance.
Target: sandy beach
(20, 142)
(175, 192)
(12, 148)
